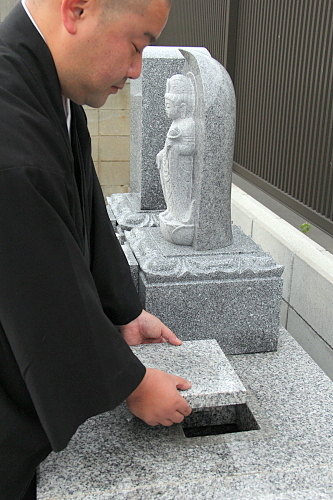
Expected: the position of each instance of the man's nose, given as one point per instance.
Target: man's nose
(135, 68)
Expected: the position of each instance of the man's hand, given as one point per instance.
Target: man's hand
(147, 329)
(156, 400)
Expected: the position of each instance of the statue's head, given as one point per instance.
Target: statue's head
(179, 97)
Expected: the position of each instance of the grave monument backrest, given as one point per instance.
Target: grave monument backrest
(195, 163)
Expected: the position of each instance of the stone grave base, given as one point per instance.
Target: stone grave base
(124, 210)
(232, 295)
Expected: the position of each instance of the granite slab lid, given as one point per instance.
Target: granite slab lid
(202, 362)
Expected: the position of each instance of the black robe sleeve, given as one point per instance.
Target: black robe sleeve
(120, 304)
(74, 362)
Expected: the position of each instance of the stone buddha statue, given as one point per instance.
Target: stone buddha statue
(175, 162)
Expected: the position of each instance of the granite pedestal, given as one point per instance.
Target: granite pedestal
(133, 263)
(232, 294)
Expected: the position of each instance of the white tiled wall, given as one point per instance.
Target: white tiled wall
(307, 310)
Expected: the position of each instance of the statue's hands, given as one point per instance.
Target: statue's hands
(173, 133)
(156, 400)
(147, 329)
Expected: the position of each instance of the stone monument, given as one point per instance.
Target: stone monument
(203, 279)
(149, 125)
(196, 161)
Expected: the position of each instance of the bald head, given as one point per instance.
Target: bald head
(137, 6)
(96, 48)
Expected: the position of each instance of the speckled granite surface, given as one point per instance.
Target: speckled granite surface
(233, 297)
(202, 362)
(116, 456)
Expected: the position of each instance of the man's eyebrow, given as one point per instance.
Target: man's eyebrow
(151, 37)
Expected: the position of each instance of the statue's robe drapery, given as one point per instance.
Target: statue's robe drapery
(177, 170)
(64, 281)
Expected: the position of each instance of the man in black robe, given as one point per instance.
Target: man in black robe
(64, 281)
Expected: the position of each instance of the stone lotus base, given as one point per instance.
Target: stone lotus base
(175, 232)
(232, 295)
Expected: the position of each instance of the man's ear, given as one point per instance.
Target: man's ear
(73, 12)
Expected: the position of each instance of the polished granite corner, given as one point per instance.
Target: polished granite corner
(288, 457)
(202, 362)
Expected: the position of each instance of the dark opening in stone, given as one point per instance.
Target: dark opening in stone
(219, 420)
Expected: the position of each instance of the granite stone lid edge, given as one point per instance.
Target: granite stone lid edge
(215, 383)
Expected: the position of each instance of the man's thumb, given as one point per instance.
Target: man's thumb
(183, 384)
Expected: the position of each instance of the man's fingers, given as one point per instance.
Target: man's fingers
(157, 400)
(168, 335)
(152, 340)
(182, 405)
(184, 408)
(167, 422)
(183, 384)
(178, 417)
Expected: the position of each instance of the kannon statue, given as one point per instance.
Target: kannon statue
(175, 161)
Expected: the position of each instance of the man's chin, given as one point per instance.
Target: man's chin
(99, 99)
(96, 101)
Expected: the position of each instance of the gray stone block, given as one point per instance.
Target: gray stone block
(232, 295)
(202, 362)
(112, 217)
(133, 263)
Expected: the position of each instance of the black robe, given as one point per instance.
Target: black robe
(64, 280)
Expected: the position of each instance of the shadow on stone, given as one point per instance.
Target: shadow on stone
(222, 420)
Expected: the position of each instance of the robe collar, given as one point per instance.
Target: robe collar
(21, 36)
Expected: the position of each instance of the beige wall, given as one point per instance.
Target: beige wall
(5, 7)
(110, 128)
